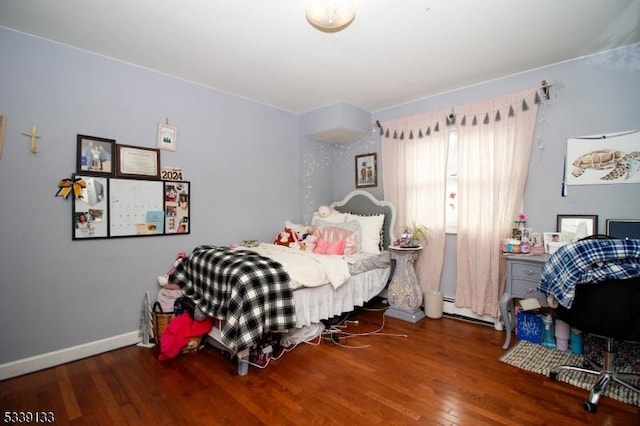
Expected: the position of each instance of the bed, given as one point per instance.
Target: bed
(311, 274)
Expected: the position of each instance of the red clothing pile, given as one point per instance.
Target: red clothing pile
(177, 334)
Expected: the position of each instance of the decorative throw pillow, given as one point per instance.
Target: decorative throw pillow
(371, 230)
(325, 247)
(334, 233)
(351, 225)
(286, 237)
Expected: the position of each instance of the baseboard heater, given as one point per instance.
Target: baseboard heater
(451, 310)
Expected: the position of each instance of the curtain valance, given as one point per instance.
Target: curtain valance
(474, 114)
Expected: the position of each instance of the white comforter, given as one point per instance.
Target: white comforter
(307, 269)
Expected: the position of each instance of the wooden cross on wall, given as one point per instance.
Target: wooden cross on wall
(34, 136)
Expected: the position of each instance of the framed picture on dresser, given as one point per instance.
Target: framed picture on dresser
(581, 225)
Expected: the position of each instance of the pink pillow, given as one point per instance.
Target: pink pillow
(321, 246)
(336, 247)
(325, 247)
(332, 234)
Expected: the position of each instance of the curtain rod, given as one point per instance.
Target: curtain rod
(546, 88)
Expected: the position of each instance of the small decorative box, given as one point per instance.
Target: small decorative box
(529, 327)
(537, 250)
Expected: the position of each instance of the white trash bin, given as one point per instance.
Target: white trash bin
(434, 302)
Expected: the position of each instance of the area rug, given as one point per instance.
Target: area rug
(538, 359)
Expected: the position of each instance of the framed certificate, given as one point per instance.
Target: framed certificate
(137, 162)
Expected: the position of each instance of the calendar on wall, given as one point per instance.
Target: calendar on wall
(114, 207)
(136, 207)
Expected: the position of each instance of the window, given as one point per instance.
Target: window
(451, 225)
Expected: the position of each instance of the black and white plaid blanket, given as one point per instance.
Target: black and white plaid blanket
(250, 292)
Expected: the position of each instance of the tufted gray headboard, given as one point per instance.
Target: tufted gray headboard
(363, 203)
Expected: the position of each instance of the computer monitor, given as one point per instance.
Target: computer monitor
(624, 228)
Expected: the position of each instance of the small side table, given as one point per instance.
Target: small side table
(523, 273)
(404, 294)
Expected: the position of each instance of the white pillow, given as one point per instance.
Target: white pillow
(334, 217)
(370, 231)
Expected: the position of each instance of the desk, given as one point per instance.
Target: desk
(404, 294)
(523, 274)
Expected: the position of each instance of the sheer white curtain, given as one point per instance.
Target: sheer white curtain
(414, 160)
(494, 147)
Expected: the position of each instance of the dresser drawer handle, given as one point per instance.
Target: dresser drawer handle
(529, 290)
(529, 272)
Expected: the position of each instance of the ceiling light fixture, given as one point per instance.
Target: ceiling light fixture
(330, 16)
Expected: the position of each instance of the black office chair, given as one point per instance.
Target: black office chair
(610, 309)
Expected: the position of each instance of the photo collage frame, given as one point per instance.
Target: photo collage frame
(121, 194)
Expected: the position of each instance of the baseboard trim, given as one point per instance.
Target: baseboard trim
(51, 359)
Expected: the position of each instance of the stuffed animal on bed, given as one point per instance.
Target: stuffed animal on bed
(309, 243)
(163, 280)
(287, 237)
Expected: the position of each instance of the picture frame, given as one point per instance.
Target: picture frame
(3, 125)
(177, 205)
(552, 241)
(90, 213)
(137, 162)
(535, 239)
(95, 155)
(366, 170)
(167, 136)
(572, 224)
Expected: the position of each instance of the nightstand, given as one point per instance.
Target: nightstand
(404, 293)
(523, 275)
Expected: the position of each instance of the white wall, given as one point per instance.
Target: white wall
(241, 157)
(592, 95)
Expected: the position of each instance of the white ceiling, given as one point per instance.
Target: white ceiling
(394, 52)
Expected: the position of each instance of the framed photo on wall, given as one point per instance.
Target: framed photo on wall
(95, 156)
(366, 168)
(167, 137)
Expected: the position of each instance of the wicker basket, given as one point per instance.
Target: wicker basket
(160, 321)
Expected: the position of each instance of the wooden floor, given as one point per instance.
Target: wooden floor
(439, 372)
